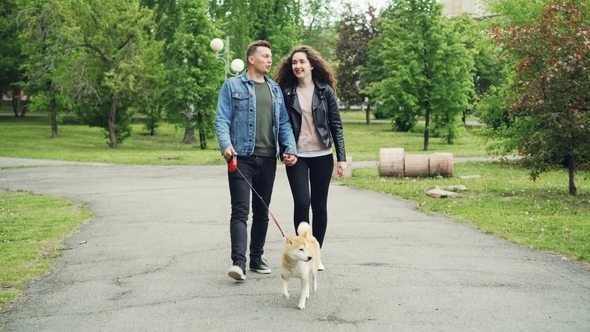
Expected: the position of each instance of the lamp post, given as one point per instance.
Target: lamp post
(237, 65)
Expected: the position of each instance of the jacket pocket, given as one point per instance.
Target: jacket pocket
(241, 101)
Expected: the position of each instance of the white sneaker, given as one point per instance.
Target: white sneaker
(237, 272)
(321, 267)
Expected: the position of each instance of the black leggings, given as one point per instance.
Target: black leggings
(314, 173)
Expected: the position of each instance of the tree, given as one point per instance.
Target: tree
(167, 16)
(502, 131)
(194, 74)
(277, 21)
(428, 71)
(514, 11)
(149, 96)
(43, 51)
(108, 55)
(11, 76)
(552, 79)
(488, 72)
(319, 30)
(355, 31)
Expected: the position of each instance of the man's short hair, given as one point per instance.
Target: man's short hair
(255, 45)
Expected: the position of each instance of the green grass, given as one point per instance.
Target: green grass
(32, 228)
(364, 142)
(356, 115)
(30, 137)
(504, 202)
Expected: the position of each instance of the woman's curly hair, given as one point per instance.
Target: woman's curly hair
(322, 71)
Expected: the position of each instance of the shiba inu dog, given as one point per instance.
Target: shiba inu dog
(301, 258)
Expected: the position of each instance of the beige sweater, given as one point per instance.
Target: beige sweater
(309, 138)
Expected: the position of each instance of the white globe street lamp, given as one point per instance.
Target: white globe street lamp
(216, 45)
(237, 65)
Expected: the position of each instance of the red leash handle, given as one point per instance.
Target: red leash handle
(233, 163)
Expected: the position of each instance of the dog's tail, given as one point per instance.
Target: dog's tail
(303, 228)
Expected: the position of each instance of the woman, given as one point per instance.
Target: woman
(308, 85)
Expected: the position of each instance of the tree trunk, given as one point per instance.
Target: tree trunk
(203, 140)
(427, 127)
(450, 129)
(572, 174)
(189, 131)
(53, 117)
(16, 103)
(368, 115)
(189, 135)
(111, 120)
(152, 124)
(24, 107)
(202, 135)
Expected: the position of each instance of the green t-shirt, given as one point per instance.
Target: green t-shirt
(264, 141)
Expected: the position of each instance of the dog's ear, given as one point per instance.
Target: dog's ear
(287, 239)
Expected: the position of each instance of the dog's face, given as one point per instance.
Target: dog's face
(297, 248)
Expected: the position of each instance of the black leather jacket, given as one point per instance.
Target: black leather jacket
(325, 114)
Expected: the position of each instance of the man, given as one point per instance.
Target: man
(252, 123)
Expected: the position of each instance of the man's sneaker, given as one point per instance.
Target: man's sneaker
(321, 267)
(238, 271)
(259, 265)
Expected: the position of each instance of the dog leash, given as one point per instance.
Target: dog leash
(232, 167)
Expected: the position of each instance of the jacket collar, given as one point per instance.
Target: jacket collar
(246, 79)
(320, 87)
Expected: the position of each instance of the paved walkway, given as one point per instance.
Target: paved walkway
(156, 255)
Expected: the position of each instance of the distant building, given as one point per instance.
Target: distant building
(457, 7)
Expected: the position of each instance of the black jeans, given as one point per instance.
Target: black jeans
(260, 172)
(316, 173)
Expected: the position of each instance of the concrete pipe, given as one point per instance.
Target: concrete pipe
(391, 162)
(417, 165)
(441, 163)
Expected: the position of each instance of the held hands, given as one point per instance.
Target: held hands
(342, 166)
(289, 159)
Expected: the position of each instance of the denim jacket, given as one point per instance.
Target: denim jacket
(235, 122)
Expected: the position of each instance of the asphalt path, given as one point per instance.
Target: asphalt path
(155, 258)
